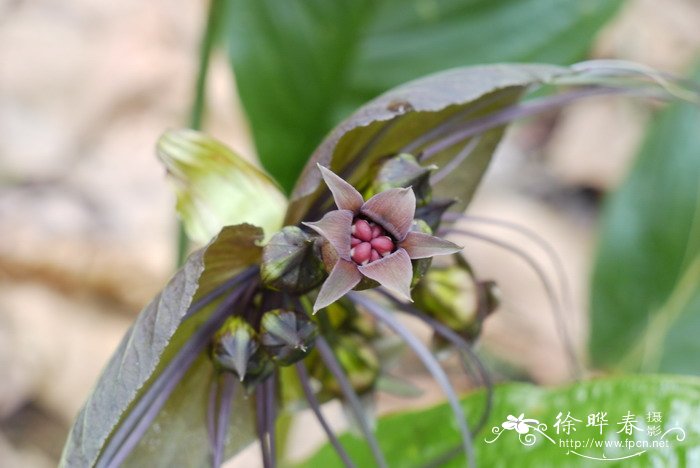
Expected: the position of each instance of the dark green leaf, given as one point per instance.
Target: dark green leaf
(290, 60)
(158, 333)
(302, 65)
(414, 439)
(406, 40)
(646, 284)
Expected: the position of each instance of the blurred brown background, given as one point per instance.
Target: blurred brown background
(87, 230)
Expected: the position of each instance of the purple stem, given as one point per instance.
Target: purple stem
(511, 113)
(331, 362)
(430, 363)
(137, 421)
(271, 415)
(548, 287)
(260, 408)
(316, 408)
(457, 341)
(228, 392)
(456, 161)
(151, 412)
(211, 414)
(451, 123)
(369, 146)
(212, 295)
(614, 68)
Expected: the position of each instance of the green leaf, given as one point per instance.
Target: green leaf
(405, 40)
(646, 283)
(414, 439)
(302, 65)
(388, 123)
(215, 187)
(156, 336)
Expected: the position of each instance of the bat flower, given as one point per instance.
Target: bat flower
(231, 340)
(372, 239)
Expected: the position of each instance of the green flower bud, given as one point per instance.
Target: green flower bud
(236, 349)
(404, 170)
(292, 262)
(363, 325)
(344, 317)
(358, 359)
(287, 336)
(452, 296)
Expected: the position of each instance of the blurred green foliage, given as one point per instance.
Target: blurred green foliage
(426, 437)
(646, 284)
(302, 65)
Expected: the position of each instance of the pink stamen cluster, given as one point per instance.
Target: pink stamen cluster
(369, 242)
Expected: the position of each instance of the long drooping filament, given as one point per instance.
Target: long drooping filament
(428, 360)
(549, 289)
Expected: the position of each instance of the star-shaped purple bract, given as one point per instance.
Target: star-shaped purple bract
(372, 239)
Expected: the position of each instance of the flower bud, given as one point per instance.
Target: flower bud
(359, 361)
(292, 262)
(287, 335)
(344, 318)
(236, 349)
(363, 325)
(451, 295)
(403, 170)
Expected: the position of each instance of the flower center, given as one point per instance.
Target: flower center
(369, 242)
